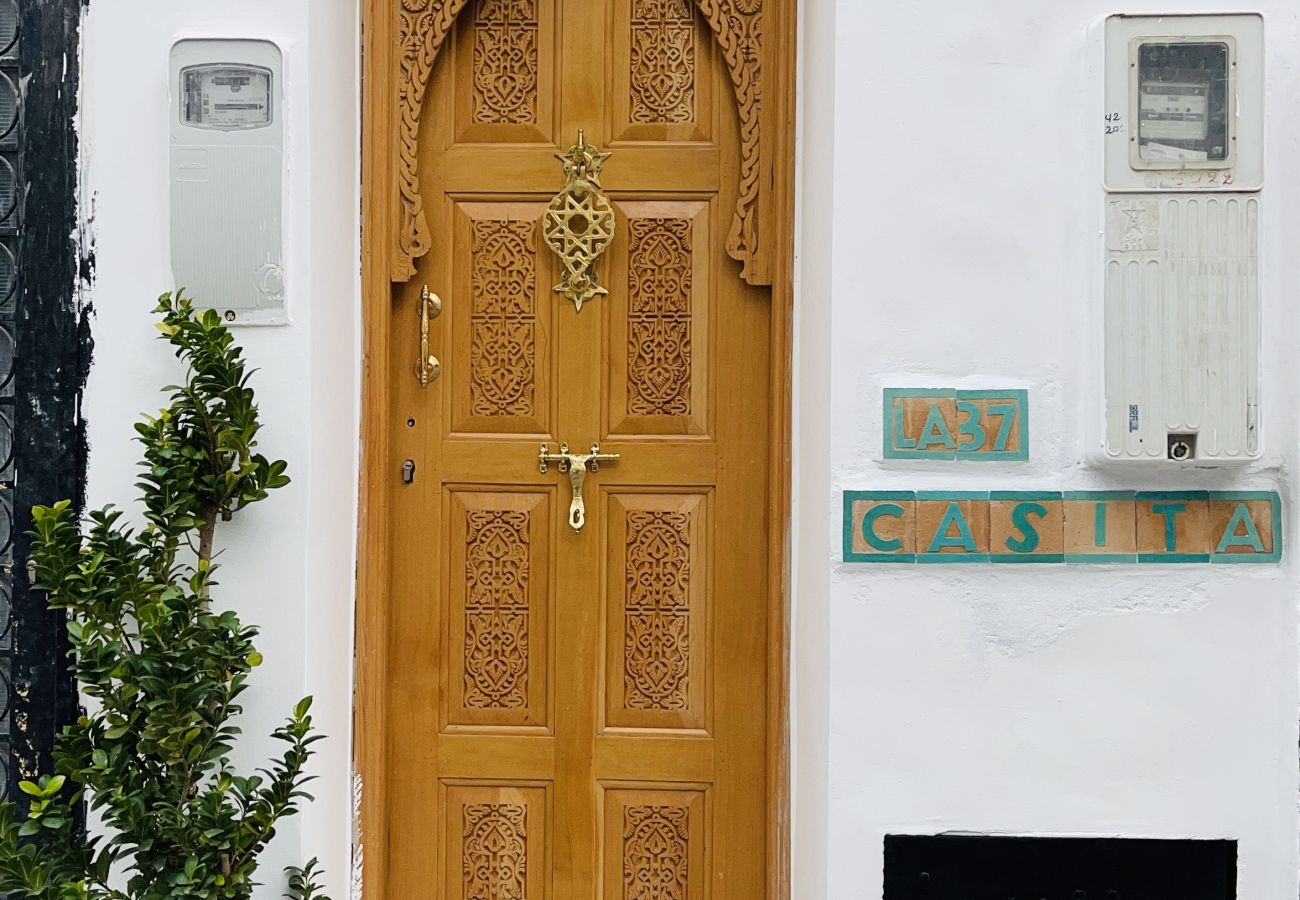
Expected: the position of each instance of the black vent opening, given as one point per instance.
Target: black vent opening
(962, 867)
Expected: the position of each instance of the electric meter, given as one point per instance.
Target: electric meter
(1183, 179)
(1183, 103)
(226, 96)
(227, 165)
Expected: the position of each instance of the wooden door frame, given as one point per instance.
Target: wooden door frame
(379, 153)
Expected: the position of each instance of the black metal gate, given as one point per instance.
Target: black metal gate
(44, 354)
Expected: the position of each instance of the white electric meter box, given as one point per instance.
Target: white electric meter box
(1184, 175)
(227, 177)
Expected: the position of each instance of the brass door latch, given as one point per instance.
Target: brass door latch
(576, 466)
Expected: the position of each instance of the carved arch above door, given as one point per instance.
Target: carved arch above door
(737, 26)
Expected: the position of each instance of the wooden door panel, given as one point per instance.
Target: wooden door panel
(499, 610)
(693, 169)
(465, 754)
(658, 662)
(468, 458)
(506, 56)
(661, 73)
(654, 842)
(588, 708)
(500, 362)
(660, 755)
(660, 319)
(496, 840)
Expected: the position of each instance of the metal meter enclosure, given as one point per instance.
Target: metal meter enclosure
(227, 177)
(1184, 174)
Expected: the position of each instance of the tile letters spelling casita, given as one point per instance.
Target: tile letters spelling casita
(1088, 527)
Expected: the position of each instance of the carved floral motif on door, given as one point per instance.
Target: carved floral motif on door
(494, 854)
(659, 318)
(496, 610)
(658, 610)
(663, 61)
(504, 320)
(505, 61)
(655, 852)
(737, 25)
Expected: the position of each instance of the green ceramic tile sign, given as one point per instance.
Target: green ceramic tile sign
(1088, 527)
(945, 423)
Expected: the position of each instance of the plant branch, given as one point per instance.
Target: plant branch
(166, 670)
(208, 533)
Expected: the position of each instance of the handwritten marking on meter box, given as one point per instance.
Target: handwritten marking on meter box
(945, 423)
(1085, 527)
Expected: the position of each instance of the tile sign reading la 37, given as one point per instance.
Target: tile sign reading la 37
(944, 423)
(1062, 527)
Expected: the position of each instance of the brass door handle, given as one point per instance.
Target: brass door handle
(427, 368)
(576, 466)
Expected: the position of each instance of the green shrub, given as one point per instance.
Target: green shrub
(163, 670)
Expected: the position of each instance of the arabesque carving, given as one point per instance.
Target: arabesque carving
(659, 317)
(737, 25)
(656, 847)
(503, 319)
(663, 61)
(496, 609)
(505, 62)
(423, 27)
(494, 854)
(657, 611)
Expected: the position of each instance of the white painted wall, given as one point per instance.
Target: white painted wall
(289, 561)
(811, 531)
(949, 213)
(951, 160)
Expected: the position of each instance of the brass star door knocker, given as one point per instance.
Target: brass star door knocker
(579, 222)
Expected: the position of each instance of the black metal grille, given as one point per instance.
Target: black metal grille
(10, 218)
(44, 354)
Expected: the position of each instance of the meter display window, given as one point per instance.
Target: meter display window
(226, 97)
(1182, 103)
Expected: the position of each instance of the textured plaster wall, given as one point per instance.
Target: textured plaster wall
(949, 212)
(952, 161)
(289, 561)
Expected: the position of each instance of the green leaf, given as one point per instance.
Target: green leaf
(164, 664)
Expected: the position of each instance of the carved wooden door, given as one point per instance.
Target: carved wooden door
(580, 715)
